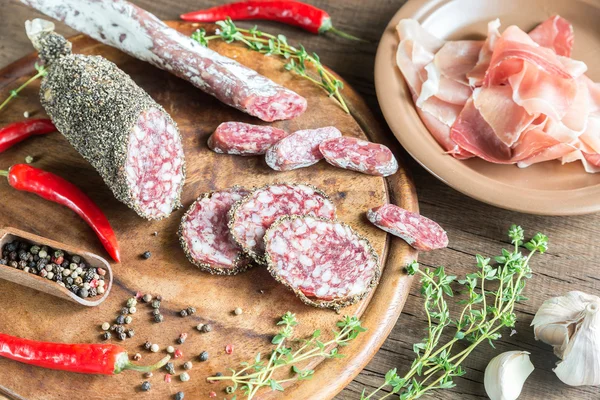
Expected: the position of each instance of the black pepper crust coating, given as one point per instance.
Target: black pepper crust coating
(335, 304)
(260, 260)
(95, 106)
(242, 262)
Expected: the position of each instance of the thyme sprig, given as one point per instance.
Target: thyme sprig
(259, 373)
(305, 64)
(484, 314)
(41, 71)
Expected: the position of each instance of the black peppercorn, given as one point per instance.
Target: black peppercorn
(3, 261)
(204, 356)
(120, 329)
(11, 246)
(170, 368)
(23, 255)
(147, 345)
(156, 304)
(158, 318)
(76, 259)
(93, 292)
(183, 313)
(120, 320)
(180, 340)
(179, 396)
(146, 386)
(130, 332)
(156, 311)
(83, 293)
(191, 310)
(206, 328)
(124, 311)
(146, 255)
(122, 336)
(12, 255)
(219, 374)
(106, 336)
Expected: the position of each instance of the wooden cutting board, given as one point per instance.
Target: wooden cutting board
(40, 316)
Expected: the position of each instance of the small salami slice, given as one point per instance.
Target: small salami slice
(205, 237)
(253, 215)
(300, 149)
(359, 155)
(244, 139)
(419, 232)
(326, 263)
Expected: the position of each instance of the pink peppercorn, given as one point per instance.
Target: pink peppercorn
(102, 272)
(229, 349)
(168, 378)
(178, 353)
(59, 260)
(212, 394)
(94, 283)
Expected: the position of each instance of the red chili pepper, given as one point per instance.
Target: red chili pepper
(289, 12)
(17, 132)
(54, 188)
(85, 358)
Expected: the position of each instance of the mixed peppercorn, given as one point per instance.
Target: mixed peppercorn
(69, 271)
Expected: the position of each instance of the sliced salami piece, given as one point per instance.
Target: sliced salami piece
(359, 155)
(114, 124)
(205, 237)
(326, 263)
(244, 139)
(140, 34)
(253, 215)
(300, 149)
(421, 233)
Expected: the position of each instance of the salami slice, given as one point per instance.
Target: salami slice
(300, 149)
(140, 34)
(359, 155)
(114, 124)
(253, 215)
(205, 237)
(244, 139)
(421, 233)
(326, 263)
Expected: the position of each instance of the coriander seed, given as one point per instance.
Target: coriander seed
(154, 348)
(105, 326)
(238, 311)
(184, 377)
(147, 298)
(187, 365)
(170, 349)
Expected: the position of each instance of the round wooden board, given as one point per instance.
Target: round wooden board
(37, 315)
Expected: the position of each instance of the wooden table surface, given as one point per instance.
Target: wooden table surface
(473, 227)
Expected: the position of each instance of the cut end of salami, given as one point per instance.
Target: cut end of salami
(326, 263)
(253, 215)
(300, 149)
(284, 104)
(359, 155)
(419, 232)
(244, 139)
(205, 237)
(154, 165)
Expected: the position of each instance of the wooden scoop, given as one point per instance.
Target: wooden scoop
(36, 282)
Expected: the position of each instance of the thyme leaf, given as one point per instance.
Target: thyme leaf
(298, 60)
(41, 71)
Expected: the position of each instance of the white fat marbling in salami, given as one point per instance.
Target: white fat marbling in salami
(205, 237)
(359, 155)
(244, 139)
(300, 149)
(254, 214)
(140, 34)
(326, 263)
(419, 232)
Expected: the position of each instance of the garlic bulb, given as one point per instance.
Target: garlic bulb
(571, 324)
(505, 375)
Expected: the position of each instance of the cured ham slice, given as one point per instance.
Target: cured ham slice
(515, 98)
(555, 33)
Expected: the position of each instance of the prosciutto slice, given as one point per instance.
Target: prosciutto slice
(515, 98)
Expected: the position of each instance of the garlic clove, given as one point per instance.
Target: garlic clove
(505, 375)
(581, 364)
(556, 335)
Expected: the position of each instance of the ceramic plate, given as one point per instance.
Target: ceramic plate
(548, 188)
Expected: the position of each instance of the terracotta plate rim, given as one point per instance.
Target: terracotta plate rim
(397, 106)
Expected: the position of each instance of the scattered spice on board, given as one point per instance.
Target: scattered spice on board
(69, 271)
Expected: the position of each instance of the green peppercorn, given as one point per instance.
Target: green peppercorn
(128, 319)
(191, 310)
(131, 302)
(206, 328)
(204, 356)
(43, 253)
(147, 298)
(184, 377)
(156, 304)
(130, 332)
(183, 313)
(156, 311)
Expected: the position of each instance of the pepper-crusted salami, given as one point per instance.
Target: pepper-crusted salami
(254, 214)
(205, 237)
(419, 232)
(127, 137)
(359, 155)
(326, 263)
(140, 34)
(244, 139)
(300, 149)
